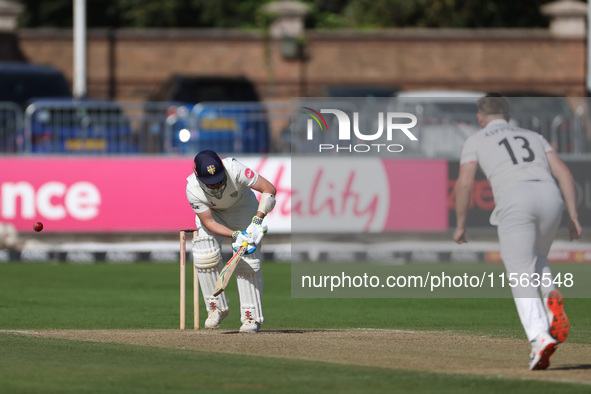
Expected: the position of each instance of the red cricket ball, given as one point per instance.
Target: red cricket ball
(38, 226)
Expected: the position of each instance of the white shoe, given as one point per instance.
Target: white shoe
(541, 349)
(250, 326)
(215, 317)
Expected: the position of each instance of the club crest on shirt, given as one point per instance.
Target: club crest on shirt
(234, 194)
(249, 173)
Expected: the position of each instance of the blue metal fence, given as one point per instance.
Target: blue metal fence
(71, 127)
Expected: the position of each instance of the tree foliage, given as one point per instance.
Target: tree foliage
(324, 13)
(443, 13)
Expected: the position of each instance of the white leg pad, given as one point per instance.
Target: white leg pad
(206, 252)
(207, 258)
(249, 280)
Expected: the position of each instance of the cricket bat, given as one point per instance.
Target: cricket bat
(228, 270)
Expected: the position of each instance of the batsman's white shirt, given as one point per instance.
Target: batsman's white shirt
(238, 203)
(235, 209)
(508, 155)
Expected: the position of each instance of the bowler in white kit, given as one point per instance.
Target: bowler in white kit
(221, 195)
(522, 169)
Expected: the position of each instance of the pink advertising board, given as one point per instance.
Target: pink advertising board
(418, 195)
(95, 194)
(148, 195)
(114, 194)
(344, 195)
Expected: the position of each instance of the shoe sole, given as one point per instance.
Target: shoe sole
(250, 329)
(559, 325)
(544, 361)
(249, 332)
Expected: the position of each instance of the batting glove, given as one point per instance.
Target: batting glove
(257, 229)
(241, 237)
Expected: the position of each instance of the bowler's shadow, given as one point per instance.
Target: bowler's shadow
(582, 367)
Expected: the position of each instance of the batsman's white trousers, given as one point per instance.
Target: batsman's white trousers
(248, 272)
(529, 215)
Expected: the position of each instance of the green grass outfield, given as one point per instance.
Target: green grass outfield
(145, 296)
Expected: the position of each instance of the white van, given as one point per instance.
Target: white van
(445, 119)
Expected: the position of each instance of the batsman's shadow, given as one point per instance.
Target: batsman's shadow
(265, 332)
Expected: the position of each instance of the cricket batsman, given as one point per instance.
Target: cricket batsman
(221, 195)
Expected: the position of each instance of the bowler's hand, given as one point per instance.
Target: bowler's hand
(574, 229)
(460, 235)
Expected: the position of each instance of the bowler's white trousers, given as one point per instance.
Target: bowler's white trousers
(529, 215)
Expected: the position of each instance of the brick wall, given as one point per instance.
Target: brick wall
(130, 64)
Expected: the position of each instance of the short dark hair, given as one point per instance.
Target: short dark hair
(493, 104)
